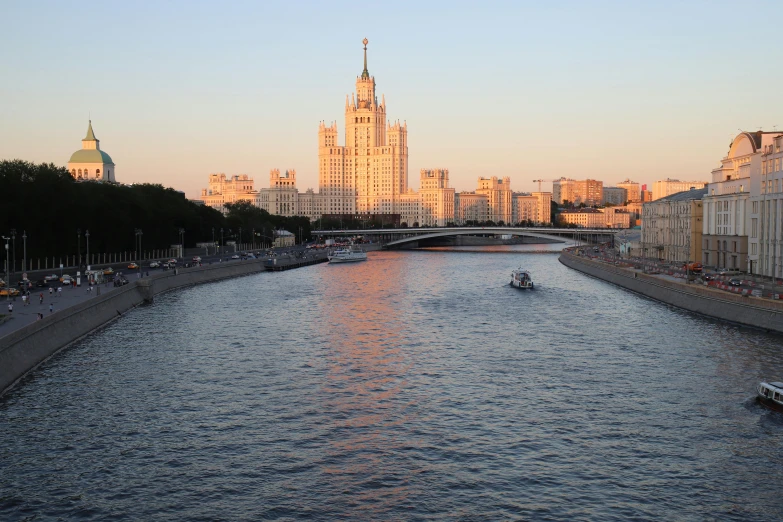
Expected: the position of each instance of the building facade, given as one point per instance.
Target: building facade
(633, 190)
(766, 240)
(437, 198)
(667, 187)
(224, 189)
(91, 163)
(589, 191)
(535, 207)
(498, 192)
(595, 218)
(672, 227)
(614, 196)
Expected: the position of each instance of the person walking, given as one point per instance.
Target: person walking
(50, 291)
(59, 291)
(24, 300)
(51, 308)
(40, 298)
(10, 308)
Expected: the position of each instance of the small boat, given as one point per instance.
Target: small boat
(520, 278)
(771, 394)
(347, 255)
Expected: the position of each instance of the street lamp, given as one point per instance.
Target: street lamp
(79, 245)
(87, 235)
(24, 243)
(221, 242)
(8, 294)
(138, 234)
(182, 241)
(240, 239)
(13, 248)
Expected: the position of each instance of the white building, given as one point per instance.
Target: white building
(672, 227)
(667, 187)
(633, 190)
(766, 196)
(91, 163)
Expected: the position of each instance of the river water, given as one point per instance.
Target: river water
(415, 386)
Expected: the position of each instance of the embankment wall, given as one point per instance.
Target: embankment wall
(746, 310)
(27, 347)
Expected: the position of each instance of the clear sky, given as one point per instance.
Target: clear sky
(177, 90)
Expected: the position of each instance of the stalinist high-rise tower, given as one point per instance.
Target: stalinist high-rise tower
(370, 172)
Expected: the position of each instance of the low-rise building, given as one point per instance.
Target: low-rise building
(667, 187)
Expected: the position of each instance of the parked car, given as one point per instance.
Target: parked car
(735, 282)
(52, 277)
(66, 279)
(708, 277)
(235, 256)
(13, 292)
(154, 264)
(196, 259)
(133, 266)
(108, 271)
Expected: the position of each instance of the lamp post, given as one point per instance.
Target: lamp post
(8, 294)
(221, 243)
(240, 239)
(138, 234)
(253, 239)
(87, 235)
(79, 245)
(213, 238)
(182, 241)
(24, 244)
(13, 249)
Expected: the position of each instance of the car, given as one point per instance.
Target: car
(13, 292)
(51, 277)
(708, 277)
(2, 283)
(154, 264)
(692, 267)
(41, 283)
(196, 259)
(107, 271)
(66, 279)
(122, 281)
(172, 262)
(235, 256)
(24, 283)
(133, 266)
(735, 282)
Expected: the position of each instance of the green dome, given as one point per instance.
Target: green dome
(90, 156)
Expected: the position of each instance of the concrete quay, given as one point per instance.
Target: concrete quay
(746, 310)
(26, 342)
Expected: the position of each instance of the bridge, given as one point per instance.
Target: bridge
(418, 237)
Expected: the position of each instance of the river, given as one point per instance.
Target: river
(414, 386)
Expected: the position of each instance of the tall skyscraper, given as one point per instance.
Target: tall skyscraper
(370, 172)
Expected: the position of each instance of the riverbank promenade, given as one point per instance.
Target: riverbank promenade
(736, 302)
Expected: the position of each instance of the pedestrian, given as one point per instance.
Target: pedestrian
(39, 316)
(50, 291)
(51, 308)
(40, 298)
(59, 291)
(24, 300)
(10, 308)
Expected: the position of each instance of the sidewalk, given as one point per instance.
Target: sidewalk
(24, 315)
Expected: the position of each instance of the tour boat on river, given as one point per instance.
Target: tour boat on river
(347, 254)
(771, 394)
(520, 278)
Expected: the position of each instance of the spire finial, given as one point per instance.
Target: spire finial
(365, 74)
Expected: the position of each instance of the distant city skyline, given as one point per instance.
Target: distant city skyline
(606, 91)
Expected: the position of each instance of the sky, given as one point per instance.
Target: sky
(531, 90)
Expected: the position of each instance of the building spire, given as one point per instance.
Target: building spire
(365, 74)
(90, 134)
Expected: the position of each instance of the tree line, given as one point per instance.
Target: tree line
(55, 212)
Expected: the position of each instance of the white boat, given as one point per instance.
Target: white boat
(520, 278)
(347, 255)
(771, 394)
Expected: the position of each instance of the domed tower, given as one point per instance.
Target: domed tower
(91, 163)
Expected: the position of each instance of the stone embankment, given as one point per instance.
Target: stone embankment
(706, 300)
(27, 347)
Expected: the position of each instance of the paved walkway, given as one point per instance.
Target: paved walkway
(24, 315)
